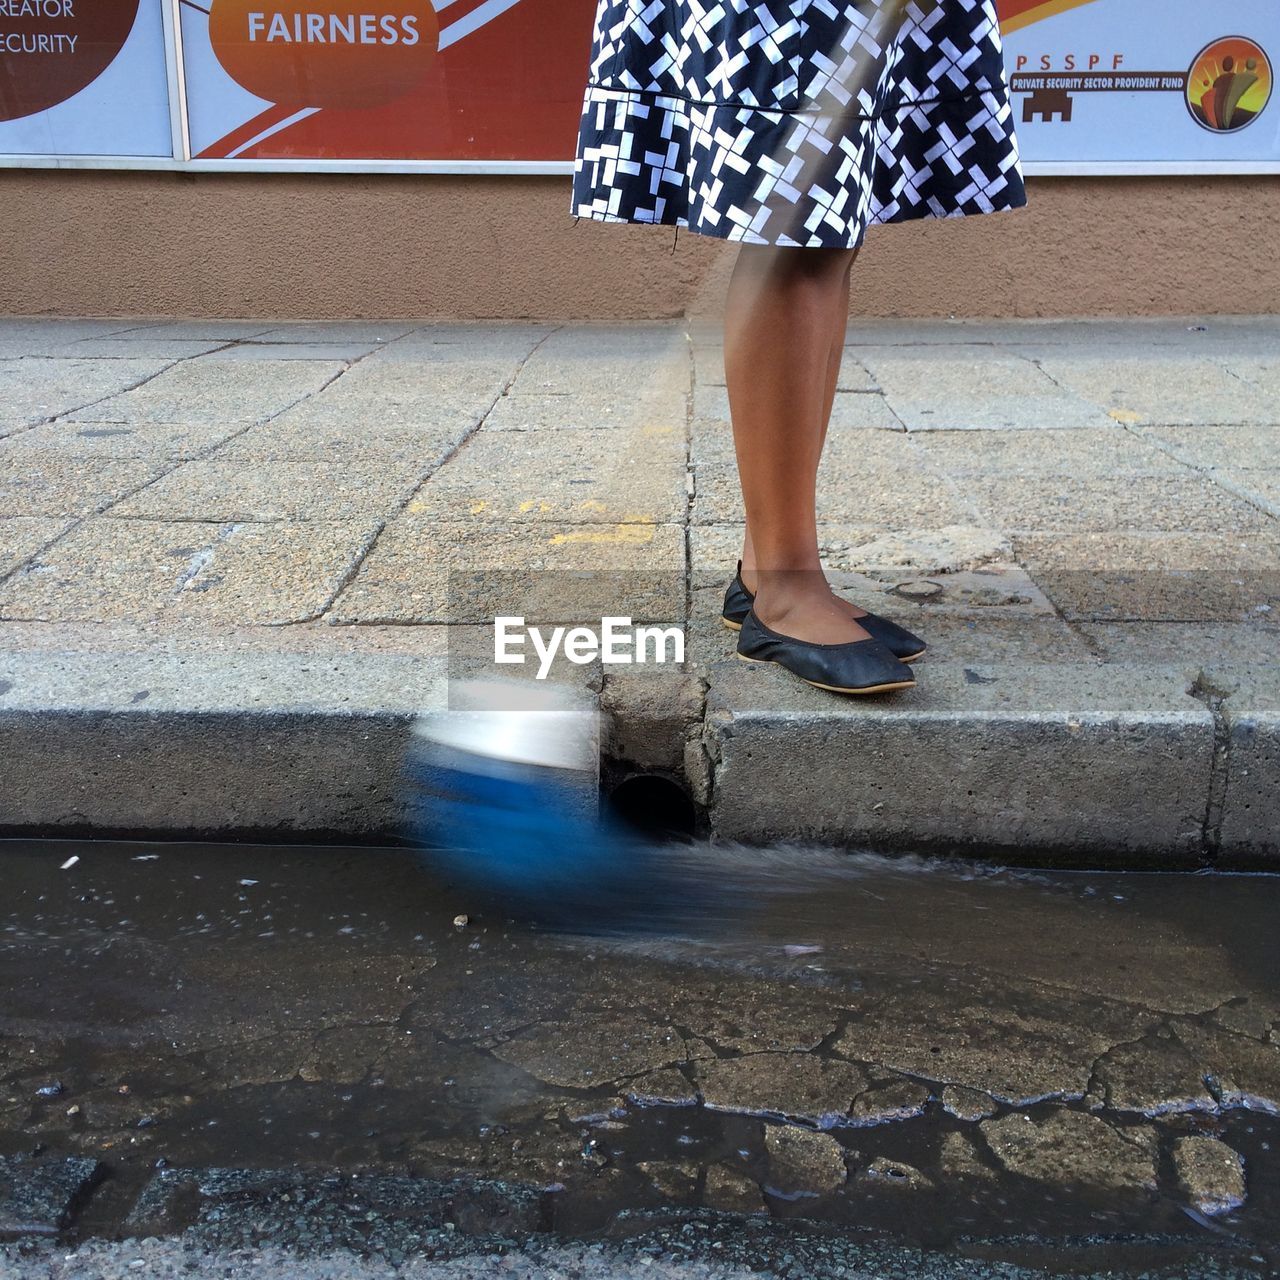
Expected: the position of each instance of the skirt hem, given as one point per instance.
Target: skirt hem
(682, 223)
(788, 179)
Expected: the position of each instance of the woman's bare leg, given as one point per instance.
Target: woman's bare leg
(839, 330)
(784, 336)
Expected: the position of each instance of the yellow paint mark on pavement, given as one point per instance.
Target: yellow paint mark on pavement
(478, 506)
(1124, 415)
(612, 534)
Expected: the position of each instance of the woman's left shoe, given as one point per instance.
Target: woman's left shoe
(903, 644)
(853, 666)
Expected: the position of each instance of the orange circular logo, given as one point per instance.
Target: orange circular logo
(1229, 84)
(325, 53)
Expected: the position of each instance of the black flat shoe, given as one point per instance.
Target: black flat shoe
(900, 642)
(856, 666)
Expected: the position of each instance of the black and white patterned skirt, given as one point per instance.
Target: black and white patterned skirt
(795, 122)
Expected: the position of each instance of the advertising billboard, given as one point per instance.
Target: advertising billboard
(84, 77)
(1128, 86)
(1099, 86)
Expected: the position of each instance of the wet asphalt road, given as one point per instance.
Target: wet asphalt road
(953, 1062)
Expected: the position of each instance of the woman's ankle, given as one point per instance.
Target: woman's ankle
(806, 611)
(779, 592)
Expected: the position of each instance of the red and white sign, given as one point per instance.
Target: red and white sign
(386, 79)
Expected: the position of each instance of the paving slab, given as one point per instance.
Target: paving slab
(609, 379)
(1145, 577)
(197, 636)
(207, 390)
(571, 412)
(1093, 742)
(152, 571)
(425, 443)
(199, 682)
(1159, 596)
(1206, 642)
(622, 341)
(224, 330)
(48, 484)
(22, 536)
(347, 352)
(38, 335)
(374, 333)
(709, 369)
(398, 393)
(1162, 389)
(851, 409)
(974, 387)
(851, 491)
(1072, 504)
(133, 348)
(87, 440)
(39, 389)
(711, 441)
(946, 550)
(1259, 487)
(991, 590)
(477, 343)
(1231, 333)
(1085, 451)
(1208, 448)
(584, 477)
(213, 489)
(996, 635)
(423, 569)
(1257, 366)
(850, 548)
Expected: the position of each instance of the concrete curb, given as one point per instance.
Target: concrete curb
(277, 746)
(1068, 761)
(1248, 794)
(1061, 763)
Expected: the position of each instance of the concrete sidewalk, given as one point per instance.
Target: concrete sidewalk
(225, 556)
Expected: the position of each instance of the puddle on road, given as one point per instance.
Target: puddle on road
(251, 1007)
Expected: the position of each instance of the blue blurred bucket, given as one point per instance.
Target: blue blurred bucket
(504, 802)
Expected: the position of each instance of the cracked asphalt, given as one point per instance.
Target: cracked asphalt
(900, 1065)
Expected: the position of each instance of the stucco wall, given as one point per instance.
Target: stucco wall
(445, 247)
